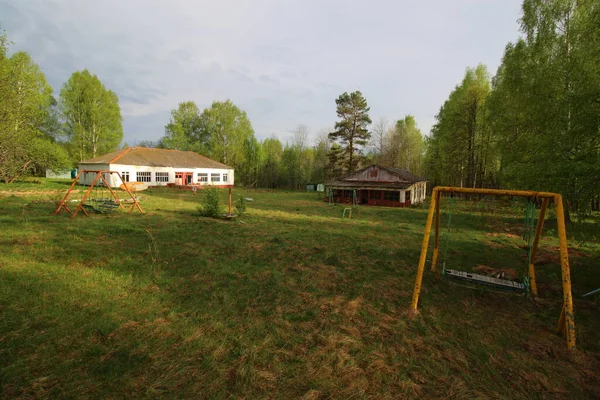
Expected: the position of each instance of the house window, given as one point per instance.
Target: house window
(215, 177)
(162, 177)
(202, 177)
(224, 177)
(143, 176)
(373, 173)
(375, 195)
(407, 195)
(125, 176)
(391, 196)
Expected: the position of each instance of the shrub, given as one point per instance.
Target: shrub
(241, 204)
(211, 204)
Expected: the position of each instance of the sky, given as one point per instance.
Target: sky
(282, 61)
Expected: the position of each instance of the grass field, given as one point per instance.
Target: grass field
(287, 301)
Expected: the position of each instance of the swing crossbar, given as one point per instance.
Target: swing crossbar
(566, 323)
(485, 280)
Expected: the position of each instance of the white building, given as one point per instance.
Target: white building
(158, 167)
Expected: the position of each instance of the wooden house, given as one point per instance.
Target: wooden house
(378, 186)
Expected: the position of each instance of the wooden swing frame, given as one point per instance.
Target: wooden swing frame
(99, 176)
(566, 324)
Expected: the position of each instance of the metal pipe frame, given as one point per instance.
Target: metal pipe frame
(566, 321)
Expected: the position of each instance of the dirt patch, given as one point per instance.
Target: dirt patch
(501, 273)
(551, 255)
(506, 234)
(37, 192)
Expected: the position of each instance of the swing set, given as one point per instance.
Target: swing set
(566, 324)
(96, 197)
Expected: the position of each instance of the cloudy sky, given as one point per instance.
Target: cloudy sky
(283, 61)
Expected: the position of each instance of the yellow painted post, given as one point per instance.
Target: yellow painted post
(568, 325)
(436, 242)
(421, 268)
(534, 245)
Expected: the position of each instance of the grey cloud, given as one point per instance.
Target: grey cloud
(268, 79)
(263, 54)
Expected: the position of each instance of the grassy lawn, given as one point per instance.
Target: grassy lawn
(287, 301)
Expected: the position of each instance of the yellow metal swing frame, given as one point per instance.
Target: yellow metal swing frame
(566, 324)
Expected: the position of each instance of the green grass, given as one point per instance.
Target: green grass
(288, 301)
(36, 185)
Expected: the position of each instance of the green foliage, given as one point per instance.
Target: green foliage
(91, 116)
(211, 203)
(270, 171)
(185, 131)
(545, 104)
(351, 131)
(241, 204)
(229, 130)
(403, 146)
(26, 117)
(461, 151)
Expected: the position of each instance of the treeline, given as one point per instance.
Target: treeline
(536, 124)
(223, 132)
(38, 131)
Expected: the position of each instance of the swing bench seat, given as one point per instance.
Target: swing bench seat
(486, 280)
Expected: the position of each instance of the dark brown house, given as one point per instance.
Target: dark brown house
(378, 186)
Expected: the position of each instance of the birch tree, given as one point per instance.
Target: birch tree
(91, 116)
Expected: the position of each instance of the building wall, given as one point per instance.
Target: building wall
(132, 172)
(62, 174)
(86, 179)
(414, 194)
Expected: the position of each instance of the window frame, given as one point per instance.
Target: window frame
(215, 177)
(125, 176)
(146, 175)
(391, 195)
(224, 177)
(202, 175)
(161, 176)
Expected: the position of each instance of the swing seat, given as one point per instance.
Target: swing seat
(486, 280)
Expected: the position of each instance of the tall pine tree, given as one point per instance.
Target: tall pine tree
(351, 130)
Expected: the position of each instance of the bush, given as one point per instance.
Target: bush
(241, 204)
(211, 204)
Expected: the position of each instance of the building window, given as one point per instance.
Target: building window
(143, 176)
(215, 177)
(407, 198)
(224, 177)
(162, 177)
(391, 196)
(125, 176)
(375, 195)
(202, 177)
(373, 173)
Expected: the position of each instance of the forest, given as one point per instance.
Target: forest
(533, 125)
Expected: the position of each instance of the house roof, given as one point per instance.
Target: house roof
(404, 174)
(405, 180)
(144, 156)
(369, 185)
